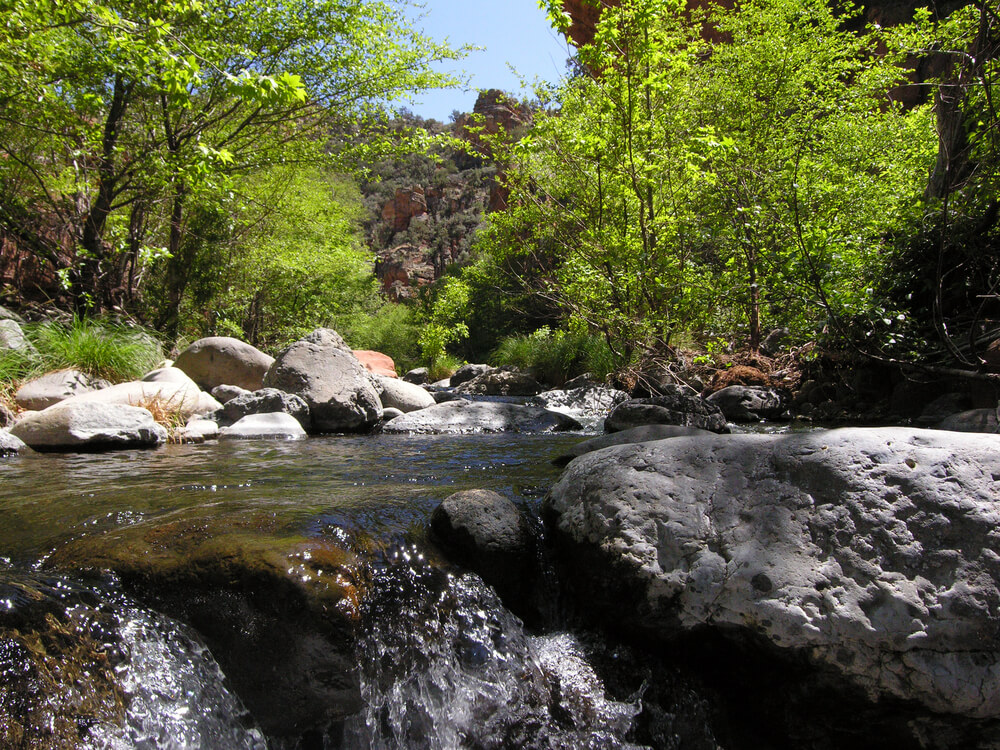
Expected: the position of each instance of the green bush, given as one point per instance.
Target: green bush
(392, 329)
(555, 357)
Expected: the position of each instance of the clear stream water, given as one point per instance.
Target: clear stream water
(440, 662)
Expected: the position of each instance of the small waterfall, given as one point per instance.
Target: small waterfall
(86, 667)
(444, 665)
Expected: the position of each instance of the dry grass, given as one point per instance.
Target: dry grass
(166, 412)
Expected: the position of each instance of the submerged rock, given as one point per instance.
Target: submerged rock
(219, 360)
(460, 416)
(276, 609)
(338, 390)
(869, 554)
(51, 388)
(673, 408)
(90, 426)
(642, 434)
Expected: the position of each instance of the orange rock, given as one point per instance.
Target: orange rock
(376, 362)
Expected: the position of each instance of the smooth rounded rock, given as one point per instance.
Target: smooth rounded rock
(869, 553)
(973, 420)
(461, 416)
(273, 426)
(198, 430)
(167, 375)
(219, 360)
(644, 434)
(377, 363)
(53, 387)
(85, 426)
(747, 403)
(225, 393)
(185, 399)
(10, 445)
(417, 376)
(407, 397)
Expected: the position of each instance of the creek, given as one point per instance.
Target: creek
(207, 651)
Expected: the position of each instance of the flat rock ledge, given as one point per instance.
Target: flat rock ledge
(871, 554)
(461, 416)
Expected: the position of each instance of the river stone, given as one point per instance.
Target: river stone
(11, 336)
(90, 426)
(6, 416)
(673, 408)
(973, 420)
(198, 430)
(501, 383)
(407, 397)
(389, 413)
(10, 445)
(486, 532)
(183, 398)
(225, 393)
(377, 363)
(584, 401)
(643, 434)
(167, 374)
(264, 401)
(417, 376)
(871, 554)
(337, 389)
(219, 360)
(747, 403)
(53, 387)
(276, 609)
(465, 373)
(267, 426)
(461, 416)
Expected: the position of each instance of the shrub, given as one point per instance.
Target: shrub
(555, 357)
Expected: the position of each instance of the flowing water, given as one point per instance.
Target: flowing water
(438, 661)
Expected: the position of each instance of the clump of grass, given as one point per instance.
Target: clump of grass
(555, 357)
(444, 366)
(106, 350)
(166, 412)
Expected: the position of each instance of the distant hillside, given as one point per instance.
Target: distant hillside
(423, 213)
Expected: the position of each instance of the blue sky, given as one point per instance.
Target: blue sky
(513, 32)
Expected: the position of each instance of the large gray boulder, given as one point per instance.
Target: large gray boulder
(672, 408)
(461, 416)
(748, 403)
(399, 394)
(53, 387)
(643, 434)
(10, 445)
(185, 399)
(872, 554)
(971, 420)
(82, 426)
(221, 360)
(168, 374)
(273, 426)
(331, 380)
(264, 401)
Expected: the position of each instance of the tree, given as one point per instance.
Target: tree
(117, 115)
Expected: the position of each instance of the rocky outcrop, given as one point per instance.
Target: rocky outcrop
(675, 408)
(742, 403)
(869, 554)
(264, 401)
(485, 532)
(82, 426)
(643, 434)
(51, 388)
(265, 426)
(338, 390)
(405, 205)
(407, 397)
(219, 360)
(461, 416)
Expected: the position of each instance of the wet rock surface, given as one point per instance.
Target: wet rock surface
(642, 434)
(10, 445)
(461, 416)
(863, 559)
(277, 609)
